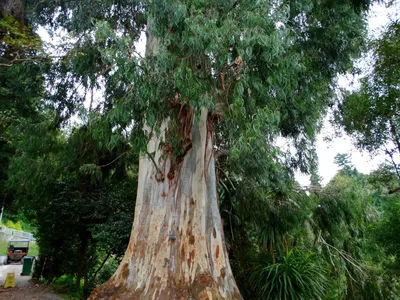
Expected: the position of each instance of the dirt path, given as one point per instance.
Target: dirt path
(24, 288)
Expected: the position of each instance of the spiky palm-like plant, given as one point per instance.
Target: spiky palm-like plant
(298, 275)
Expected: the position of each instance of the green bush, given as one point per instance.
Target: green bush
(12, 225)
(66, 284)
(297, 275)
(107, 271)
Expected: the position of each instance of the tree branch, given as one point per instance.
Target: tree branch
(102, 166)
(154, 162)
(20, 60)
(101, 266)
(393, 191)
(390, 153)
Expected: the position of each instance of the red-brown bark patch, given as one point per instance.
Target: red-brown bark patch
(171, 175)
(217, 252)
(191, 240)
(192, 254)
(125, 271)
(223, 273)
(183, 251)
(109, 291)
(203, 279)
(203, 285)
(189, 229)
(141, 251)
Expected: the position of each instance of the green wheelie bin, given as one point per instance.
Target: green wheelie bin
(27, 266)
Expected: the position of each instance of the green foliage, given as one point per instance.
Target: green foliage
(342, 222)
(343, 160)
(13, 37)
(3, 247)
(11, 224)
(315, 178)
(77, 193)
(20, 86)
(34, 249)
(386, 229)
(385, 179)
(65, 284)
(287, 68)
(370, 114)
(268, 232)
(298, 276)
(107, 271)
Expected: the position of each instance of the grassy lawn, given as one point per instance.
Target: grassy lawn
(33, 248)
(3, 247)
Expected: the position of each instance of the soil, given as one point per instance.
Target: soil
(24, 287)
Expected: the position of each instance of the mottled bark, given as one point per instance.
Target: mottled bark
(177, 248)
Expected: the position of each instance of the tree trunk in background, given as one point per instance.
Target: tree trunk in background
(81, 260)
(14, 8)
(177, 247)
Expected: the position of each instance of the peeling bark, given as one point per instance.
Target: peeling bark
(177, 248)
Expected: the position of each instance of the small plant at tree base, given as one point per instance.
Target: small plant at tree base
(297, 275)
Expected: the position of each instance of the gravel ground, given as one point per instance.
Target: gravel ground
(24, 288)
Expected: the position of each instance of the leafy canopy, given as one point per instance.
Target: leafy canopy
(371, 114)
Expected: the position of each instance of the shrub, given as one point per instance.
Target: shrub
(297, 275)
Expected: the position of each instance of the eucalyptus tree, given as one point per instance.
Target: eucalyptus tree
(219, 82)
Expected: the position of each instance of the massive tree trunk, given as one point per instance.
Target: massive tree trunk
(177, 248)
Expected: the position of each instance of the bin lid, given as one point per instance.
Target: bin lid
(28, 257)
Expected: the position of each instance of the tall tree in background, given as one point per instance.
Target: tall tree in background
(20, 81)
(371, 114)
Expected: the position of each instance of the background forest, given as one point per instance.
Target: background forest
(72, 114)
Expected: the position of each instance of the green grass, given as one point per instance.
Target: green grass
(33, 248)
(3, 247)
(65, 286)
